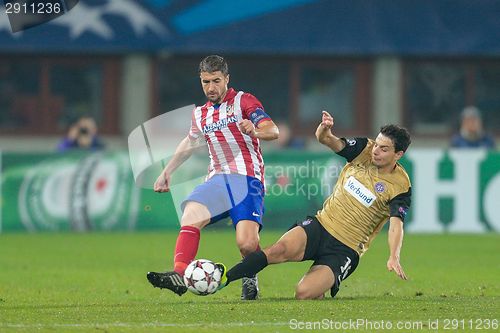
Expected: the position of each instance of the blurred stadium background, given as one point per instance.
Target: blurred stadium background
(416, 63)
(124, 62)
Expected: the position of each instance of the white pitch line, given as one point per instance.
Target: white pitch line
(138, 325)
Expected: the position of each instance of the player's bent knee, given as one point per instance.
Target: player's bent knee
(312, 289)
(248, 246)
(302, 292)
(196, 215)
(194, 221)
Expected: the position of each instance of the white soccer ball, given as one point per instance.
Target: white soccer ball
(202, 277)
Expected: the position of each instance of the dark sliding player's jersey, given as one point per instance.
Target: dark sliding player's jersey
(363, 200)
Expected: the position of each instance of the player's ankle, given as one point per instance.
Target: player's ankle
(180, 267)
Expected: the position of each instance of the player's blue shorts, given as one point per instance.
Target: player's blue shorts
(237, 196)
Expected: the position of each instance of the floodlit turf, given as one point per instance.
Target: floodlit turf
(97, 282)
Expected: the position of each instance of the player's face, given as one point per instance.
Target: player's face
(384, 154)
(214, 85)
(472, 125)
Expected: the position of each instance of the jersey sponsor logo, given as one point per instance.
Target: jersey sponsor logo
(219, 125)
(359, 192)
(379, 187)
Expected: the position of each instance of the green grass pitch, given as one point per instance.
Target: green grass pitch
(97, 283)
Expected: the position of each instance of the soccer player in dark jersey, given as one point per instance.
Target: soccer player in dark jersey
(231, 123)
(373, 188)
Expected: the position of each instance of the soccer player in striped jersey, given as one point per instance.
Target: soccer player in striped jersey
(231, 123)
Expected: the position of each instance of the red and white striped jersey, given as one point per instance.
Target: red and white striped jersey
(231, 151)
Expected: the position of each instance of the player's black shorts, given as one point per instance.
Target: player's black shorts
(325, 249)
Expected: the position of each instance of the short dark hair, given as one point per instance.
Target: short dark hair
(399, 136)
(214, 63)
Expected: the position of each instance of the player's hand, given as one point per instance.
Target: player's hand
(394, 265)
(326, 120)
(162, 183)
(247, 127)
(323, 132)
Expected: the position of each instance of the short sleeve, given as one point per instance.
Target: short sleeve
(353, 147)
(400, 204)
(252, 109)
(194, 131)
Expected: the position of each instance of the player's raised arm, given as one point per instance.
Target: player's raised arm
(395, 241)
(325, 136)
(183, 151)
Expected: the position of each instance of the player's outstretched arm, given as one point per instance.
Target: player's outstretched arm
(183, 151)
(325, 136)
(395, 240)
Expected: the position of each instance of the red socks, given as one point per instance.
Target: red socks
(186, 248)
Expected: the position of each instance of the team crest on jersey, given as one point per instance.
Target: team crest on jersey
(379, 187)
(230, 110)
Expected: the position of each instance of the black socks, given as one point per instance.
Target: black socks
(248, 267)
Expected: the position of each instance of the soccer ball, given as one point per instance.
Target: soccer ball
(202, 277)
